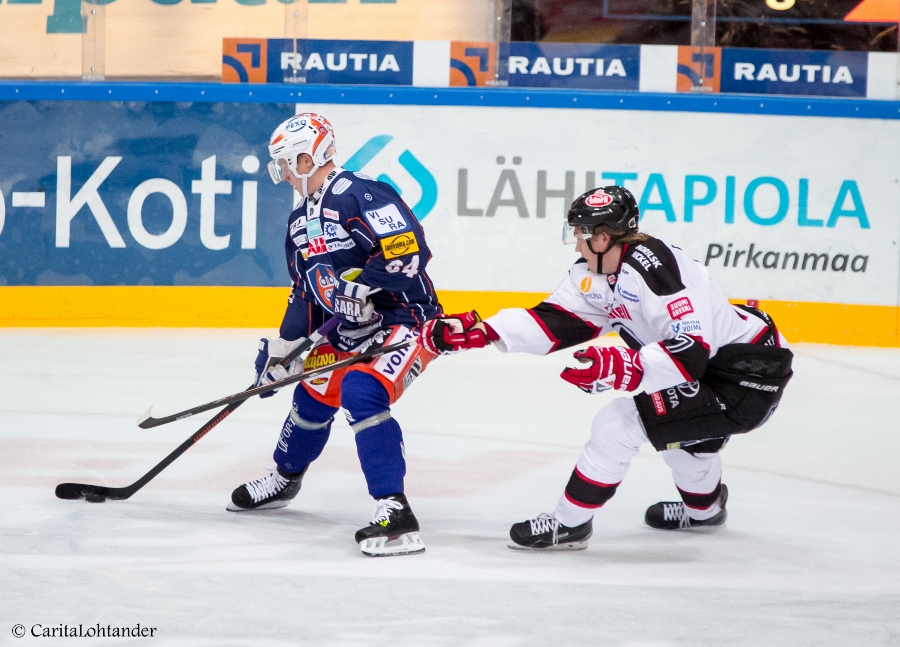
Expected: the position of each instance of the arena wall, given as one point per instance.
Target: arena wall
(149, 204)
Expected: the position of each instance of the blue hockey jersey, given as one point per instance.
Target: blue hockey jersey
(354, 221)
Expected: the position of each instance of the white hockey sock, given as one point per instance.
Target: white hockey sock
(570, 514)
(701, 514)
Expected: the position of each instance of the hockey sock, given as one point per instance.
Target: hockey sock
(702, 506)
(379, 440)
(303, 435)
(581, 498)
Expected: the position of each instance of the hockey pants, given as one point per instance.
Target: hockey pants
(616, 437)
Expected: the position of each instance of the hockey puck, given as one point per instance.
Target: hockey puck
(94, 497)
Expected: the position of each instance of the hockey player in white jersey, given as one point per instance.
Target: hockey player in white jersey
(706, 369)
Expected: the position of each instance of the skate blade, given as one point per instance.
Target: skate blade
(408, 544)
(273, 505)
(569, 545)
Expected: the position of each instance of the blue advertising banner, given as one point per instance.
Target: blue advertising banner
(278, 60)
(574, 65)
(121, 193)
(782, 71)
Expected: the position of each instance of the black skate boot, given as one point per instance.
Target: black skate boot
(545, 532)
(394, 529)
(275, 490)
(672, 515)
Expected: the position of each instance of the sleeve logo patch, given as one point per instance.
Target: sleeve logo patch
(340, 186)
(399, 245)
(387, 220)
(680, 307)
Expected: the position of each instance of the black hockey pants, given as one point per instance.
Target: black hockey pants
(739, 391)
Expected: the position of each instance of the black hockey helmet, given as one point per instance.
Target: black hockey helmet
(611, 206)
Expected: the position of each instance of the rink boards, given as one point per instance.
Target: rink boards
(142, 205)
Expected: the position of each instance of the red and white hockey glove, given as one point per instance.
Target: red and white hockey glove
(449, 334)
(615, 367)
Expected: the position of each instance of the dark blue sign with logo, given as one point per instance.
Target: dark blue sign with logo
(782, 71)
(367, 62)
(118, 193)
(574, 65)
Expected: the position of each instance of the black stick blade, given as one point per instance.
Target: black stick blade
(92, 493)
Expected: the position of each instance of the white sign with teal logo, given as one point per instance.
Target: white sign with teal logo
(776, 207)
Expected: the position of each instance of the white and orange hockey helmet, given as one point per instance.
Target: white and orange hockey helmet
(306, 132)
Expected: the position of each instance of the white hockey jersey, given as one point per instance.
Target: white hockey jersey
(660, 301)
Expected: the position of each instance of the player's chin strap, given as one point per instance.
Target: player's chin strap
(599, 255)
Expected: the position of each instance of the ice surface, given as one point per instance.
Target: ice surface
(810, 554)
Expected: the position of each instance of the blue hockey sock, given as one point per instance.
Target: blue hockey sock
(304, 433)
(379, 440)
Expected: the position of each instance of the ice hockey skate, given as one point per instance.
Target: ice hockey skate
(672, 515)
(274, 490)
(545, 532)
(394, 529)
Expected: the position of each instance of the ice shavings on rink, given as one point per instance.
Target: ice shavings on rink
(808, 555)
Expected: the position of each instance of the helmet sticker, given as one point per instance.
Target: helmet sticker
(598, 199)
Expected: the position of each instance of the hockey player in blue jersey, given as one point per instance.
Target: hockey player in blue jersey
(356, 252)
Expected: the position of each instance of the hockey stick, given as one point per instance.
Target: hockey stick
(99, 493)
(308, 343)
(149, 421)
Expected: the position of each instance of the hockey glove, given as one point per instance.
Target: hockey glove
(268, 361)
(615, 367)
(352, 306)
(451, 334)
(351, 299)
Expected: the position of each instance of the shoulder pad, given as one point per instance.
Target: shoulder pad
(656, 264)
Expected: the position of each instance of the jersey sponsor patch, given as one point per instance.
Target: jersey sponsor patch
(335, 231)
(334, 245)
(300, 240)
(619, 312)
(686, 327)
(341, 185)
(298, 224)
(314, 227)
(680, 307)
(585, 285)
(645, 256)
(657, 266)
(387, 220)
(628, 296)
(399, 245)
(331, 214)
(317, 246)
